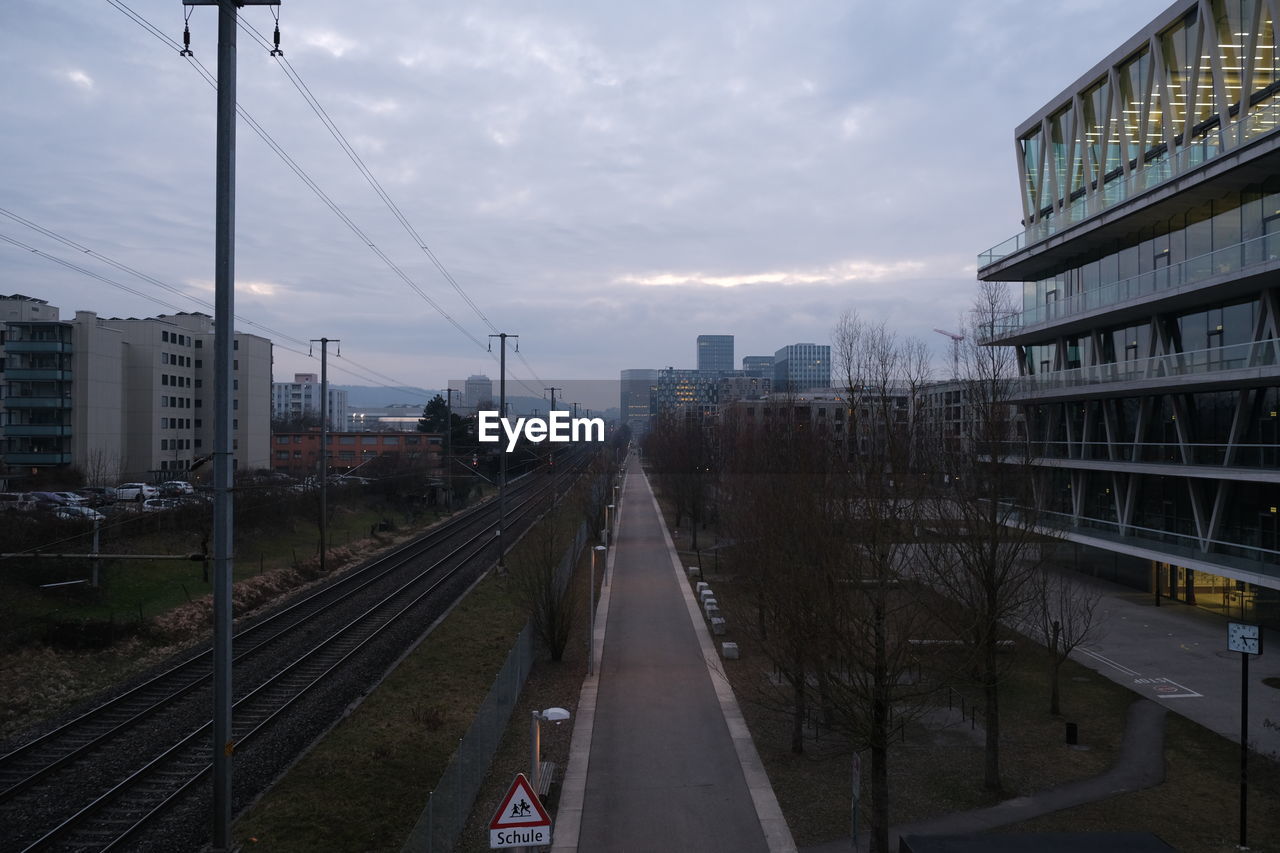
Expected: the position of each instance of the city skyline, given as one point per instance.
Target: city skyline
(587, 176)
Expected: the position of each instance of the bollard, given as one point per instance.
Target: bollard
(1073, 734)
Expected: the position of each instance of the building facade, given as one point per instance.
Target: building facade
(293, 401)
(635, 399)
(298, 453)
(477, 392)
(802, 367)
(122, 398)
(758, 365)
(715, 352)
(1147, 336)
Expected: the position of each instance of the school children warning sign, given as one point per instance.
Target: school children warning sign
(520, 821)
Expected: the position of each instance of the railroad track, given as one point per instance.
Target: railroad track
(113, 817)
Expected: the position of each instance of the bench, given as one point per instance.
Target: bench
(546, 778)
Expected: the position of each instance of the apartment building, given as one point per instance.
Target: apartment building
(296, 400)
(1147, 336)
(122, 398)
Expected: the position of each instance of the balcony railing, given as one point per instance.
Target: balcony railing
(1239, 257)
(1266, 560)
(34, 457)
(1201, 362)
(36, 430)
(38, 374)
(1152, 452)
(12, 345)
(1158, 171)
(37, 402)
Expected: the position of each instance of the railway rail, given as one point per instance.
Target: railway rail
(280, 660)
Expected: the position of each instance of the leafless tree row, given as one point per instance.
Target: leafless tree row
(871, 550)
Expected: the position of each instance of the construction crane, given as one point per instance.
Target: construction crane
(955, 351)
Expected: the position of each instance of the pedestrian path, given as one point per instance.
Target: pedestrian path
(661, 758)
(1139, 765)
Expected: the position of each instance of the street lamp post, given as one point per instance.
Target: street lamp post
(591, 609)
(551, 715)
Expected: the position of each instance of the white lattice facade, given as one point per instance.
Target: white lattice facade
(1149, 331)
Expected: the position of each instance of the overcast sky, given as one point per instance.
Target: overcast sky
(605, 179)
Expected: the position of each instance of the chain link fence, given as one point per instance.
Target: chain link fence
(449, 805)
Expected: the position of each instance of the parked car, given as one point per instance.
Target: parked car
(98, 495)
(159, 504)
(16, 502)
(176, 488)
(78, 513)
(72, 499)
(49, 498)
(136, 491)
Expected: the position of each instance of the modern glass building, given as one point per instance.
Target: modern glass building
(801, 367)
(715, 352)
(1147, 338)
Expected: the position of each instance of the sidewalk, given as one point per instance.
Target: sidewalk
(1177, 654)
(661, 758)
(1140, 765)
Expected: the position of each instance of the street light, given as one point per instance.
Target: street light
(591, 609)
(551, 715)
(608, 525)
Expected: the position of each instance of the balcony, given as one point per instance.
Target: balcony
(13, 346)
(34, 402)
(1233, 559)
(37, 374)
(1238, 365)
(35, 457)
(1250, 256)
(1156, 173)
(37, 430)
(1133, 455)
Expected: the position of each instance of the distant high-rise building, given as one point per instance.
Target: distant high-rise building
(760, 366)
(800, 367)
(291, 401)
(715, 352)
(477, 390)
(685, 391)
(636, 398)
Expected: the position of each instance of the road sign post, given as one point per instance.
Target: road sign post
(1247, 640)
(520, 820)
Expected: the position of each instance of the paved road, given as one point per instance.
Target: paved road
(664, 774)
(1177, 654)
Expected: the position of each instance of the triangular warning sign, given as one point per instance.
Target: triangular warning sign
(520, 807)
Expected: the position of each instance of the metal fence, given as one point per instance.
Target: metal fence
(449, 805)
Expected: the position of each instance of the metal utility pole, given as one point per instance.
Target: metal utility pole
(553, 391)
(502, 459)
(223, 461)
(448, 448)
(324, 449)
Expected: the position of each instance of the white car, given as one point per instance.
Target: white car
(176, 488)
(78, 513)
(136, 492)
(159, 504)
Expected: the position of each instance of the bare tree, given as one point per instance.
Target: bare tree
(544, 591)
(988, 552)
(1061, 615)
(883, 378)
